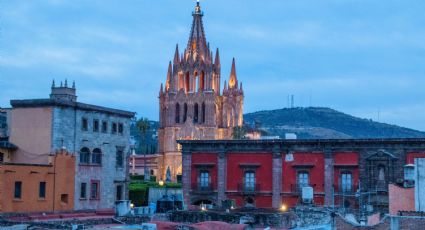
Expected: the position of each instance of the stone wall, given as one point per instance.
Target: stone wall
(67, 129)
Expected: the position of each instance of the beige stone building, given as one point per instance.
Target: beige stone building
(192, 105)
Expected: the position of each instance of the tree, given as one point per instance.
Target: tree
(143, 125)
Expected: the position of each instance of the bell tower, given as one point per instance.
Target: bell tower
(191, 105)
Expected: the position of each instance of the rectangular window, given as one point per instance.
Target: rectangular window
(83, 191)
(120, 128)
(64, 198)
(119, 192)
(303, 179)
(249, 181)
(114, 128)
(42, 190)
(119, 158)
(94, 190)
(346, 182)
(84, 124)
(204, 179)
(18, 190)
(104, 127)
(95, 125)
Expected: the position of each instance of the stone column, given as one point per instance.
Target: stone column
(221, 177)
(277, 179)
(186, 175)
(329, 177)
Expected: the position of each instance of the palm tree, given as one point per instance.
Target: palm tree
(143, 125)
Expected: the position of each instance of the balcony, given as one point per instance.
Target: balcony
(339, 189)
(202, 188)
(249, 188)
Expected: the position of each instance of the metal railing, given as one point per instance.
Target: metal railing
(202, 187)
(249, 188)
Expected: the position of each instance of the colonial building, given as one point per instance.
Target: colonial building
(98, 136)
(191, 104)
(268, 173)
(38, 187)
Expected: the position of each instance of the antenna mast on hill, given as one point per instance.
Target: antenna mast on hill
(292, 101)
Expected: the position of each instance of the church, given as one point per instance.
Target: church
(192, 105)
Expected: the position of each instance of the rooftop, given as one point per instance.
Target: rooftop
(32, 103)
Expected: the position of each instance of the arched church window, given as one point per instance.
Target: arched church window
(181, 81)
(196, 81)
(203, 112)
(202, 81)
(177, 116)
(187, 82)
(196, 113)
(184, 112)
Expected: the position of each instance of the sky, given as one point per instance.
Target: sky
(362, 57)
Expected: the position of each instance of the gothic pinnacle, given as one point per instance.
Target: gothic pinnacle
(66, 83)
(53, 83)
(217, 58)
(176, 55)
(169, 74)
(233, 81)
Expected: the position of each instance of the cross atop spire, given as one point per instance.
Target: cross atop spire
(197, 44)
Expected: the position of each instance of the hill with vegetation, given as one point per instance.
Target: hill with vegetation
(324, 123)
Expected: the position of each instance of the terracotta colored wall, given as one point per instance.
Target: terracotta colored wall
(235, 173)
(401, 199)
(410, 157)
(201, 158)
(37, 124)
(31, 176)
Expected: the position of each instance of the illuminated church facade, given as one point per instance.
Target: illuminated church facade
(192, 105)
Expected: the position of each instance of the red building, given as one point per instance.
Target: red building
(269, 173)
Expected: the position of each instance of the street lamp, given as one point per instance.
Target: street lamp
(161, 182)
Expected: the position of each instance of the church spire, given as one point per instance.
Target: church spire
(233, 81)
(197, 44)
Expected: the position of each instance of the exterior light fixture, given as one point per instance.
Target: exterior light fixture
(131, 205)
(161, 183)
(283, 208)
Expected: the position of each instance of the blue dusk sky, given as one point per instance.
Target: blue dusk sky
(362, 57)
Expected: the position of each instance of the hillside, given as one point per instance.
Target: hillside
(324, 123)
